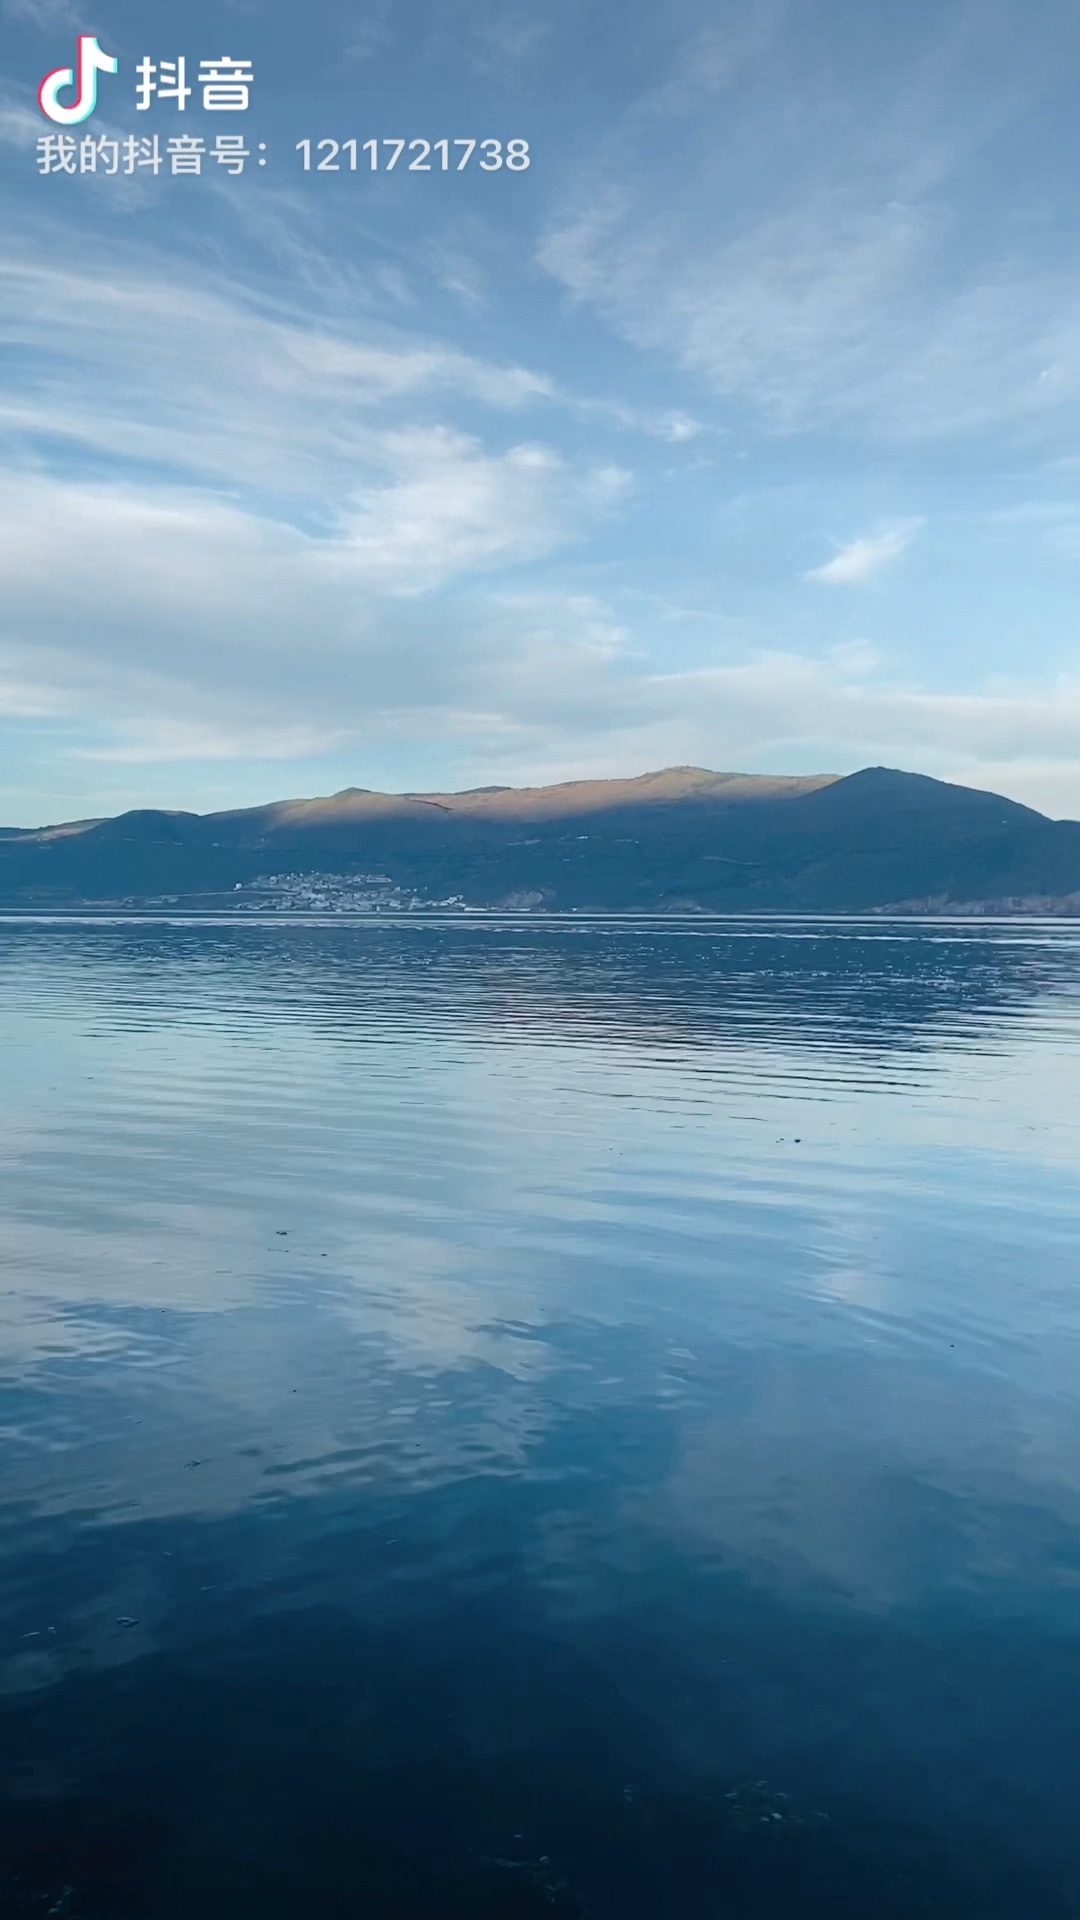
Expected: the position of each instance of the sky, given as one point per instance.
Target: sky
(740, 429)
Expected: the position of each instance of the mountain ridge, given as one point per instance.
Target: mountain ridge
(677, 838)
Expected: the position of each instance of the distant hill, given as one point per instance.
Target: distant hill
(682, 839)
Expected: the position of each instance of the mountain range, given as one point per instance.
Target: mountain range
(683, 839)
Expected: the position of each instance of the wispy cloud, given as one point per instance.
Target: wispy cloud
(46, 14)
(19, 124)
(221, 384)
(860, 560)
(829, 283)
(508, 40)
(233, 385)
(367, 39)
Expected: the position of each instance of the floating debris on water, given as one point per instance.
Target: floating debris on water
(547, 1882)
(753, 1806)
(750, 1806)
(25, 1901)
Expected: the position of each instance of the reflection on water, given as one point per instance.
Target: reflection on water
(542, 1418)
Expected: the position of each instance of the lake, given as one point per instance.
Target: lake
(543, 1418)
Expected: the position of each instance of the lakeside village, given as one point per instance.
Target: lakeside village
(333, 893)
(314, 893)
(302, 893)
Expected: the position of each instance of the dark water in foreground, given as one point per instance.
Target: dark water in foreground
(503, 1422)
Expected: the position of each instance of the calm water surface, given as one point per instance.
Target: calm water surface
(501, 1421)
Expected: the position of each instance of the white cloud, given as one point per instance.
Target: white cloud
(181, 628)
(153, 742)
(861, 559)
(452, 508)
(783, 709)
(677, 428)
(774, 711)
(179, 625)
(1051, 787)
(22, 699)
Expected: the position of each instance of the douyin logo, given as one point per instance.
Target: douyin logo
(91, 62)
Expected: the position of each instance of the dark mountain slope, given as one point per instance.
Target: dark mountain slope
(682, 837)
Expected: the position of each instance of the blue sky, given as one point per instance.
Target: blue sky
(742, 429)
